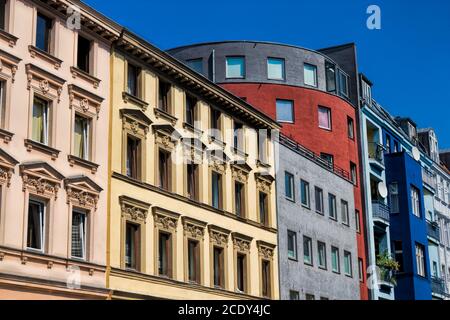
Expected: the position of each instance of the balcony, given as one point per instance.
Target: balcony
(433, 230)
(376, 152)
(429, 178)
(438, 286)
(380, 211)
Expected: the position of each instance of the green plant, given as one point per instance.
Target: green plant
(388, 266)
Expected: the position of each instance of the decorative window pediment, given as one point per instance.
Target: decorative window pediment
(193, 149)
(82, 192)
(135, 210)
(84, 101)
(41, 178)
(241, 242)
(240, 171)
(9, 64)
(218, 160)
(166, 135)
(7, 164)
(44, 82)
(265, 249)
(218, 236)
(165, 219)
(264, 182)
(193, 228)
(135, 121)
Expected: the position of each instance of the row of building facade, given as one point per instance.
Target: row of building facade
(232, 170)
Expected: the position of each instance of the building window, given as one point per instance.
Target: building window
(241, 272)
(235, 67)
(343, 84)
(165, 254)
(219, 270)
(215, 129)
(285, 111)
(43, 32)
(360, 270)
(133, 75)
(193, 261)
(394, 200)
(2, 104)
(275, 69)
(344, 213)
(332, 206)
(263, 138)
(398, 251)
(388, 144)
(348, 264)
(353, 173)
(82, 137)
(266, 281)
(164, 170)
(238, 136)
(294, 295)
(263, 208)
(133, 164)
(132, 244)
(164, 96)
(335, 267)
(292, 245)
(415, 199)
(190, 104)
(307, 251)
(420, 260)
(289, 186)
(318, 195)
(305, 197)
(239, 199)
(357, 221)
(329, 159)
(330, 73)
(350, 128)
(195, 64)
(324, 118)
(84, 53)
(310, 75)
(322, 255)
(41, 121)
(192, 181)
(36, 225)
(216, 189)
(79, 234)
(3, 15)
(310, 296)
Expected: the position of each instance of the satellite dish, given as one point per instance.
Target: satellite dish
(416, 153)
(382, 190)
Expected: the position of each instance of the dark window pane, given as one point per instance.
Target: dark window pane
(83, 53)
(43, 29)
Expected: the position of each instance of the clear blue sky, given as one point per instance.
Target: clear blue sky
(408, 59)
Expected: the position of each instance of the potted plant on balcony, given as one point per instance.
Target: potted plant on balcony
(388, 267)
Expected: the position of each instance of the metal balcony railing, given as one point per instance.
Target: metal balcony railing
(429, 178)
(376, 152)
(438, 286)
(433, 230)
(380, 210)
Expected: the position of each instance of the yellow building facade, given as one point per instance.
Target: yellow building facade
(191, 212)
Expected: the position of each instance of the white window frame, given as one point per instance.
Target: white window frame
(43, 219)
(85, 232)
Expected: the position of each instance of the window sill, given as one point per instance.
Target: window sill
(333, 219)
(260, 163)
(349, 276)
(308, 264)
(320, 212)
(11, 39)
(323, 268)
(326, 129)
(165, 115)
(74, 160)
(239, 152)
(134, 100)
(293, 259)
(290, 199)
(306, 206)
(336, 272)
(217, 141)
(6, 135)
(36, 52)
(192, 129)
(78, 73)
(33, 145)
(346, 225)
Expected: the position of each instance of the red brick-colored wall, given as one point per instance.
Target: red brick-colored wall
(305, 130)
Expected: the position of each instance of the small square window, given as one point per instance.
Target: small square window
(235, 67)
(275, 69)
(285, 111)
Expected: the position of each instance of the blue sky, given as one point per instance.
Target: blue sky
(408, 59)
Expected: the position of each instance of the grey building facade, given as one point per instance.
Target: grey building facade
(317, 228)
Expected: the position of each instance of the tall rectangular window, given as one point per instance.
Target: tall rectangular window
(305, 197)
(216, 190)
(43, 32)
(79, 234)
(193, 261)
(335, 265)
(132, 250)
(266, 282)
(353, 173)
(214, 124)
(415, 201)
(420, 260)
(133, 75)
(318, 196)
(238, 136)
(2, 103)
(332, 206)
(239, 199)
(241, 272)
(289, 186)
(164, 170)
(262, 142)
(190, 103)
(84, 53)
(398, 251)
(348, 264)
(82, 137)
(36, 225)
(292, 245)
(3, 14)
(235, 67)
(357, 221)
(307, 251)
(343, 84)
(219, 271)
(285, 111)
(164, 95)
(41, 122)
(394, 200)
(133, 157)
(330, 73)
(165, 254)
(192, 181)
(275, 69)
(344, 213)
(324, 118)
(263, 208)
(322, 254)
(310, 75)
(195, 64)
(360, 270)
(350, 128)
